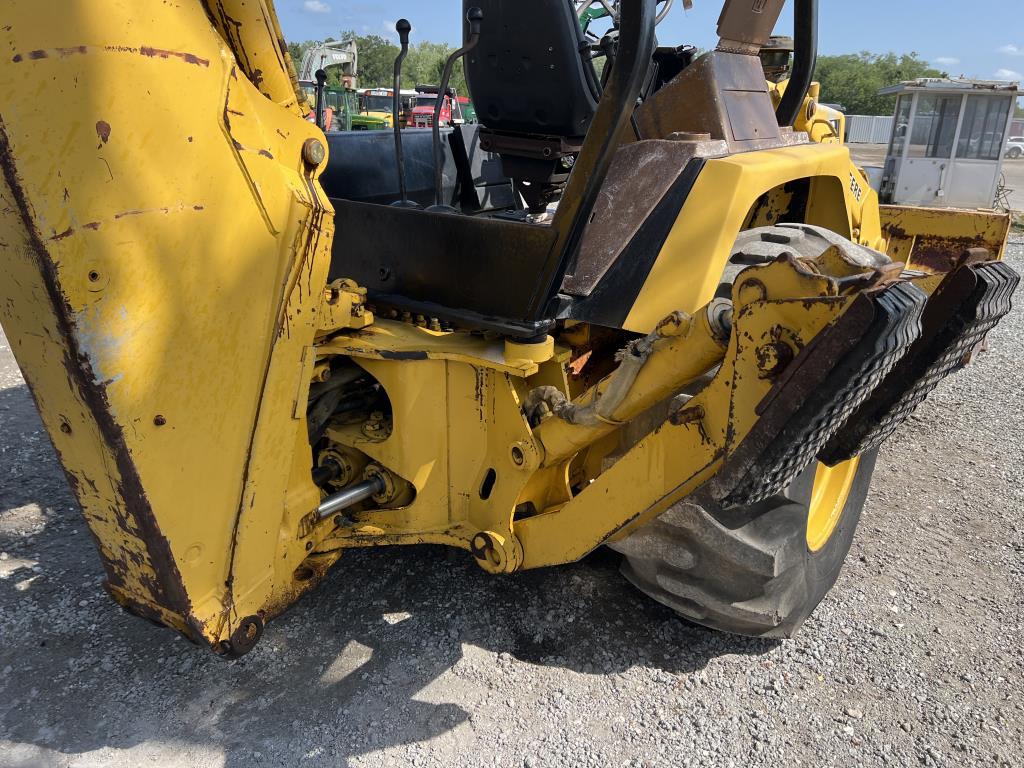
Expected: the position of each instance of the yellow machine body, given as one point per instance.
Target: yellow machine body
(823, 125)
(165, 292)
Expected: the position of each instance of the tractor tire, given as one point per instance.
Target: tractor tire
(747, 571)
(753, 570)
(765, 244)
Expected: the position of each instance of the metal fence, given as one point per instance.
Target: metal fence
(868, 129)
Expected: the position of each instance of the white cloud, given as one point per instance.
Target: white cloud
(946, 61)
(1012, 50)
(316, 6)
(1008, 74)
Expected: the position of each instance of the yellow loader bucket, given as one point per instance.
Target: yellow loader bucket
(933, 239)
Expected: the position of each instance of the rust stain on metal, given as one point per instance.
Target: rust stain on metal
(163, 53)
(941, 254)
(46, 53)
(134, 212)
(93, 225)
(915, 235)
(164, 209)
(242, 148)
(933, 254)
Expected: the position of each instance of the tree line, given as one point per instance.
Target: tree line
(852, 80)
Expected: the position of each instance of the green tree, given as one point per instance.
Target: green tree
(854, 79)
(376, 59)
(425, 66)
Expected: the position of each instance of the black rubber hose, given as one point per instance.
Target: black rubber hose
(805, 58)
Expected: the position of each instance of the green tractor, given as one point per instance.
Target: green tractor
(341, 109)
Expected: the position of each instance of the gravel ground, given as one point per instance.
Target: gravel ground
(412, 657)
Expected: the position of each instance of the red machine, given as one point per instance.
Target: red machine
(422, 115)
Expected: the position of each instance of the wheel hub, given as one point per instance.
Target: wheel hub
(832, 486)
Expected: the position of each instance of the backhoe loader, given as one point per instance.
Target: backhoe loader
(641, 304)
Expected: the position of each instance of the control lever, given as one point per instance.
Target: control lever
(403, 27)
(321, 81)
(608, 44)
(475, 17)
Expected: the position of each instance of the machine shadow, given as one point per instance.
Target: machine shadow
(29, 471)
(352, 668)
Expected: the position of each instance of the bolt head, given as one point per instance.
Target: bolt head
(314, 152)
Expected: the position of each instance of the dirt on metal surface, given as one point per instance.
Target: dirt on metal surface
(411, 657)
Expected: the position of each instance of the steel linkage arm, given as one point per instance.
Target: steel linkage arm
(679, 350)
(802, 357)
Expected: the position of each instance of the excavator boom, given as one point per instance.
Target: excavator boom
(337, 53)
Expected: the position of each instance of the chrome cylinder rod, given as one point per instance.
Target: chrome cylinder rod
(350, 496)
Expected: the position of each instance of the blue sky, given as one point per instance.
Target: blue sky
(982, 38)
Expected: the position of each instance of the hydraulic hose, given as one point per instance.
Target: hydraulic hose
(805, 58)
